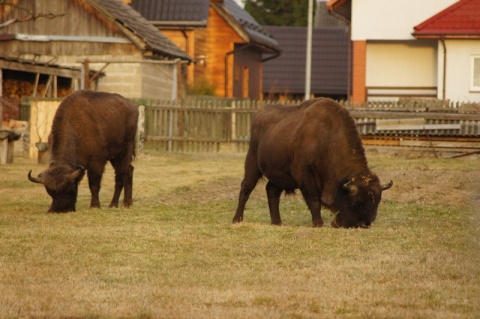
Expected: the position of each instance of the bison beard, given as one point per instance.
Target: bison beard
(89, 129)
(314, 147)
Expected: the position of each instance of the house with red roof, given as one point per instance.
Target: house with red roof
(413, 49)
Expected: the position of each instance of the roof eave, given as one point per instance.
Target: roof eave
(443, 35)
(248, 37)
(179, 24)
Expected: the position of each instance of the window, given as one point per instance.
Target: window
(475, 77)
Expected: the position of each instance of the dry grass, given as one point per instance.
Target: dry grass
(174, 254)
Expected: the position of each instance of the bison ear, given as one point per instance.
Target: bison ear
(78, 174)
(348, 187)
(387, 186)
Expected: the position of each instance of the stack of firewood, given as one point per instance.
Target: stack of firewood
(14, 90)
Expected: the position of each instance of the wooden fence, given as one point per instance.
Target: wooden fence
(210, 124)
(215, 124)
(199, 124)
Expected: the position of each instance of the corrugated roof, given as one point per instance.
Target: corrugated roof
(462, 19)
(195, 12)
(286, 74)
(137, 24)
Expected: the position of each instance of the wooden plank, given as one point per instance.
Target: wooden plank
(403, 115)
(439, 144)
(183, 139)
(427, 127)
(399, 124)
(381, 142)
(411, 124)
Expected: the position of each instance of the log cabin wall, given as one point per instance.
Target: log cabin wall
(185, 40)
(201, 51)
(218, 31)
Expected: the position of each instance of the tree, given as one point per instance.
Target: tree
(279, 12)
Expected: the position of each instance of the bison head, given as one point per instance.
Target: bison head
(61, 183)
(357, 201)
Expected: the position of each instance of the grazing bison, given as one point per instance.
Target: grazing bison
(315, 147)
(89, 129)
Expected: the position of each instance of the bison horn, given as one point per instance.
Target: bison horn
(34, 179)
(352, 189)
(387, 186)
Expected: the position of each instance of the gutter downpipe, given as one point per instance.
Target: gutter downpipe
(226, 64)
(442, 39)
(273, 56)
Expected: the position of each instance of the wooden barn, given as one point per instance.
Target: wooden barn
(228, 45)
(49, 48)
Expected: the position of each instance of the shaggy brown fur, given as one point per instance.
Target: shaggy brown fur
(316, 148)
(89, 129)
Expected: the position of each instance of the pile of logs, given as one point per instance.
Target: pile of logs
(14, 90)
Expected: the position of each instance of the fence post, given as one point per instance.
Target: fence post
(170, 130)
(233, 126)
(140, 129)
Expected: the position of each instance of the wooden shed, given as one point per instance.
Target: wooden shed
(49, 48)
(228, 45)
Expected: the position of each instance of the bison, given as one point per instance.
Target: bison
(89, 129)
(314, 147)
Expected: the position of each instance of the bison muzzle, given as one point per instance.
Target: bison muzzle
(314, 147)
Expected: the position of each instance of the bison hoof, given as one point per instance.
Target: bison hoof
(237, 220)
(335, 224)
(318, 223)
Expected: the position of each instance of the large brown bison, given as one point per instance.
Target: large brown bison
(314, 147)
(89, 129)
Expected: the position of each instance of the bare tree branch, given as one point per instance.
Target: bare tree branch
(28, 17)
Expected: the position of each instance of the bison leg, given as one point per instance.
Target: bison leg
(252, 175)
(128, 186)
(273, 195)
(94, 180)
(245, 191)
(314, 205)
(120, 177)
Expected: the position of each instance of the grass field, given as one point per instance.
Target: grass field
(175, 253)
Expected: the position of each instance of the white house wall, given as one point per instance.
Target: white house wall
(406, 63)
(391, 19)
(459, 70)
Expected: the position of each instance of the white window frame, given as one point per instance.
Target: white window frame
(475, 74)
